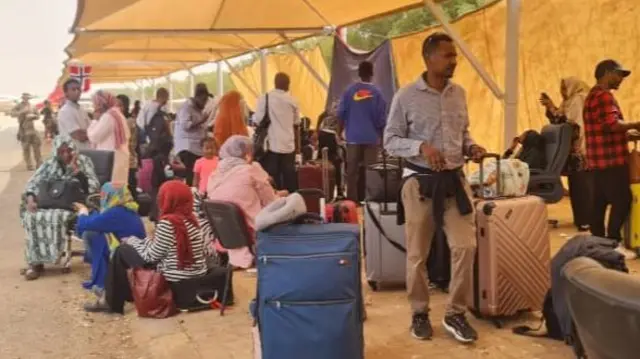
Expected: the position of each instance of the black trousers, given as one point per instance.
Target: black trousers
(282, 167)
(133, 182)
(117, 283)
(329, 140)
(611, 187)
(358, 158)
(189, 160)
(581, 195)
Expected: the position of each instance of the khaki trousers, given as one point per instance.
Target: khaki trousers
(420, 229)
(31, 143)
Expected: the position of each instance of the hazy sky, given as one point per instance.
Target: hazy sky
(33, 35)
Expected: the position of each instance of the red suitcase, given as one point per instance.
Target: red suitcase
(512, 269)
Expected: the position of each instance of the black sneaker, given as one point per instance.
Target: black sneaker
(421, 326)
(458, 326)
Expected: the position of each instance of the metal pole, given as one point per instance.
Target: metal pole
(192, 83)
(305, 62)
(264, 82)
(220, 79)
(237, 74)
(512, 50)
(437, 12)
(170, 88)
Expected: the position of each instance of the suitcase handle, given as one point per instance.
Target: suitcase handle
(385, 195)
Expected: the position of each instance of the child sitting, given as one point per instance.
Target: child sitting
(205, 165)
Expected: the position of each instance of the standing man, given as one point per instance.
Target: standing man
(152, 108)
(429, 126)
(608, 152)
(190, 130)
(27, 134)
(73, 120)
(282, 141)
(362, 113)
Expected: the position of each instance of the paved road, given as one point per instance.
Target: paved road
(43, 318)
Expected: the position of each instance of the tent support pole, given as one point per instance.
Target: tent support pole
(511, 70)
(220, 79)
(264, 87)
(141, 88)
(304, 62)
(170, 86)
(192, 83)
(439, 14)
(237, 74)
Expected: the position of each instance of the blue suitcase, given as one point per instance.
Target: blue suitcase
(309, 297)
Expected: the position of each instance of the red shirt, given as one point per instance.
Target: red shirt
(605, 149)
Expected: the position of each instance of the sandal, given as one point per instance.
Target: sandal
(31, 274)
(38, 268)
(99, 306)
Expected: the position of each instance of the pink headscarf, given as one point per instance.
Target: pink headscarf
(105, 102)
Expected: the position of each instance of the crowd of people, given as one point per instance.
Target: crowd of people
(206, 153)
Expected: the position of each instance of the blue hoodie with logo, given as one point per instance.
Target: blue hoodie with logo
(363, 114)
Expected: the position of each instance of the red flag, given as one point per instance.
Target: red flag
(81, 73)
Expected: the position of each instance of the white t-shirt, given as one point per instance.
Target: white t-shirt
(284, 114)
(73, 117)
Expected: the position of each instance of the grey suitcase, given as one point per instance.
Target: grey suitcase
(384, 246)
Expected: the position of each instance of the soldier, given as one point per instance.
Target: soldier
(27, 135)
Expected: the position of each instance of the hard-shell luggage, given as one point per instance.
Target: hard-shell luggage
(309, 301)
(145, 173)
(340, 210)
(512, 267)
(384, 246)
(632, 228)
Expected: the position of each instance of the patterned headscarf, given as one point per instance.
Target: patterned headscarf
(105, 102)
(114, 195)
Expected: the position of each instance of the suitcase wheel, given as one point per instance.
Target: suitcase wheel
(373, 285)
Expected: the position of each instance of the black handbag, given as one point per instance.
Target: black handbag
(60, 194)
(383, 181)
(260, 134)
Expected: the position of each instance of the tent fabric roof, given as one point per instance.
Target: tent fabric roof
(126, 71)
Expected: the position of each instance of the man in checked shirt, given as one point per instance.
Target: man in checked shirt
(608, 152)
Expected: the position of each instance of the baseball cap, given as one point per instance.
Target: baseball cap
(610, 65)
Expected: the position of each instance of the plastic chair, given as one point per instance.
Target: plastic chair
(547, 184)
(229, 226)
(605, 308)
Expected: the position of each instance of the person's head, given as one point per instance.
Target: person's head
(237, 146)
(282, 81)
(174, 197)
(531, 139)
(572, 86)
(365, 71)
(440, 55)
(123, 103)
(610, 74)
(102, 102)
(64, 148)
(162, 96)
(209, 147)
(72, 90)
(136, 105)
(201, 95)
(25, 97)
(116, 194)
(47, 103)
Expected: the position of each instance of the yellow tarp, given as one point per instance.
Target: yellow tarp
(311, 96)
(125, 72)
(559, 38)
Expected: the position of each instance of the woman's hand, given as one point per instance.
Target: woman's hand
(74, 163)
(80, 208)
(32, 205)
(282, 193)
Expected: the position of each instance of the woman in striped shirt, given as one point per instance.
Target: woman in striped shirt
(176, 249)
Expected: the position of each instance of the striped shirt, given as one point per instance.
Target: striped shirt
(162, 250)
(420, 114)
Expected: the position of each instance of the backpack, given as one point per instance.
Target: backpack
(156, 133)
(549, 319)
(260, 134)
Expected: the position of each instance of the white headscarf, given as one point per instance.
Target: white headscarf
(233, 154)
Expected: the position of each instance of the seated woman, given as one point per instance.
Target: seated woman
(532, 151)
(117, 219)
(176, 249)
(239, 180)
(46, 232)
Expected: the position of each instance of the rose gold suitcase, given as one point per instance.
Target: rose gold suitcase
(512, 269)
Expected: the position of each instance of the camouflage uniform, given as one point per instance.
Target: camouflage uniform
(27, 134)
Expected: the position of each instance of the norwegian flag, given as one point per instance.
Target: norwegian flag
(82, 73)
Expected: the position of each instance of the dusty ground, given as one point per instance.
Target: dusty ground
(43, 319)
